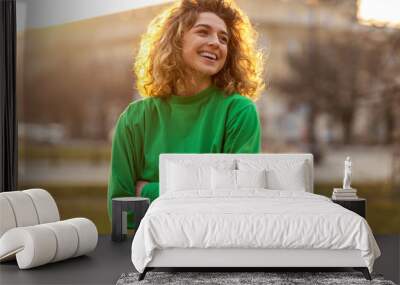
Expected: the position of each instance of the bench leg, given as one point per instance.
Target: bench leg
(364, 271)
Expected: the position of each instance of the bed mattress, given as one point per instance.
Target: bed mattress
(250, 219)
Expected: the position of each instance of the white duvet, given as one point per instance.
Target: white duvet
(252, 218)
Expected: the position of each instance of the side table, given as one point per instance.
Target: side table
(358, 205)
(120, 206)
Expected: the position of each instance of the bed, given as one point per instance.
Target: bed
(247, 210)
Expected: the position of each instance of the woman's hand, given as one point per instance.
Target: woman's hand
(139, 186)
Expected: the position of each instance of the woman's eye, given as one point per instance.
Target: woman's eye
(202, 32)
(224, 40)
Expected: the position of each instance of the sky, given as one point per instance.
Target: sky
(44, 13)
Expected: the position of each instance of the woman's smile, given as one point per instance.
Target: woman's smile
(208, 59)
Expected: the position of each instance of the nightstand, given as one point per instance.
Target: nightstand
(120, 207)
(357, 205)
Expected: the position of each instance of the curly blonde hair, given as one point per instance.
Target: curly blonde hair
(159, 65)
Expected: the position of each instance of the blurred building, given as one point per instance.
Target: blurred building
(284, 27)
(35, 133)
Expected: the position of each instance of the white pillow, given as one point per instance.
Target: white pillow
(237, 179)
(183, 178)
(251, 178)
(189, 175)
(223, 179)
(281, 174)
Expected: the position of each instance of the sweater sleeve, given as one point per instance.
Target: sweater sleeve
(151, 191)
(123, 167)
(243, 132)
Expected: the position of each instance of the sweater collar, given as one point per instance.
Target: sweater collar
(200, 96)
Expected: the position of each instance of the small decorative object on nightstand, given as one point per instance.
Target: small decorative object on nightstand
(120, 206)
(347, 196)
(356, 205)
(347, 173)
(345, 193)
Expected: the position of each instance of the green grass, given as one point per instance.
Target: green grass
(383, 205)
(59, 152)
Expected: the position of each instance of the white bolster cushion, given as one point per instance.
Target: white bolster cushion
(26, 208)
(7, 219)
(40, 244)
(33, 246)
(66, 238)
(23, 208)
(46, 207)
(87, 234)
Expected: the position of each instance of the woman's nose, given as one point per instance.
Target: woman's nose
(213, 40)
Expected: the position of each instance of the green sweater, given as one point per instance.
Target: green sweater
(207, 122)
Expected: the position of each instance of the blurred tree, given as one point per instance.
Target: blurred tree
(385, 77)
(388, 78)
(333, 75)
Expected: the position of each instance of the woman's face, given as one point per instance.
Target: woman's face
(205, 45)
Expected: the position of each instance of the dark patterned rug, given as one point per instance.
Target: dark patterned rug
(230, 278)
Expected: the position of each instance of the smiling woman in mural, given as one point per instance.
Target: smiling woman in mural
(200, 71)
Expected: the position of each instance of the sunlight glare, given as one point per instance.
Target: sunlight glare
(378, 11)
